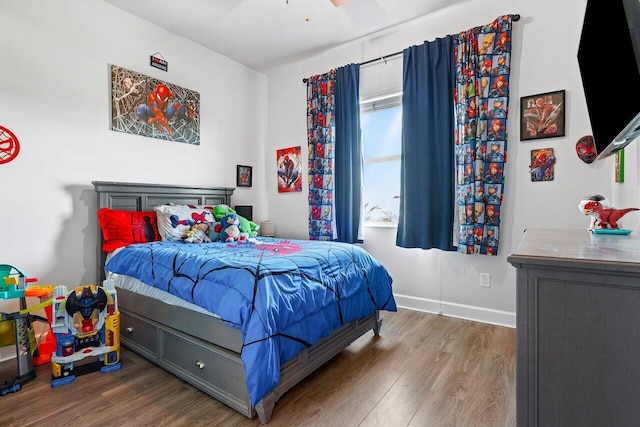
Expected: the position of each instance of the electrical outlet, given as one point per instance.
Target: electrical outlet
(485, 280)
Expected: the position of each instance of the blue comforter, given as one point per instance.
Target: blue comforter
(284, 295)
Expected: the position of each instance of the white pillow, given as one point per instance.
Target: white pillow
(175, 220)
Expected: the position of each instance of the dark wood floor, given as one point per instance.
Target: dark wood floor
(423, 370)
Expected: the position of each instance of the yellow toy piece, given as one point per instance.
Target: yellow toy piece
(7, 333)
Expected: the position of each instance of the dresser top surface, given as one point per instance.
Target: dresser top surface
(578, 245)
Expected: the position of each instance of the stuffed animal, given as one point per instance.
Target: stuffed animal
(250, 228)
(221, 210)
(230, 230)
(198, 233)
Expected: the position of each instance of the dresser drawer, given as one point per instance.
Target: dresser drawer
(136, 332)
(215, 366)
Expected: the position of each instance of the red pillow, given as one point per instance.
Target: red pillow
(122, 228)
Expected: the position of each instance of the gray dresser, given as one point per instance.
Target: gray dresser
(578, 328)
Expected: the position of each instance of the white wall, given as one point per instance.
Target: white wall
(54, 84)
(545, 43)
(54, 92)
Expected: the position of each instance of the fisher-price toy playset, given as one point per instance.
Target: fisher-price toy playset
(82, 329)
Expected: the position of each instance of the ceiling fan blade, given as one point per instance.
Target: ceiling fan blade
(338, 3)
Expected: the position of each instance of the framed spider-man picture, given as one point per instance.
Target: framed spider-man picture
(151, 107)
(542, 115)
(244, 176)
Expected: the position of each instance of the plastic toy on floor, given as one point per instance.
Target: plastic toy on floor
(603, 216)
(17, 328)
(46, 346)
(86, 324)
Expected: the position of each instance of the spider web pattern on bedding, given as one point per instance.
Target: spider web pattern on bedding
(284, 295)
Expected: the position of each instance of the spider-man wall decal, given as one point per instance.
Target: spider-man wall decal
(9, 145)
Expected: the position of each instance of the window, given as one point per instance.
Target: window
(381, 123)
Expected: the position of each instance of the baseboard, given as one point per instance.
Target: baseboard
(461, 311)
(7, 353)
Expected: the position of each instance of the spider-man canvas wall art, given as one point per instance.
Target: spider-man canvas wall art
(146, 106)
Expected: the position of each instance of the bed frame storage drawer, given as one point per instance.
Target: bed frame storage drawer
(137, 333)
(211, 368)
(173, 317)
(216, 370)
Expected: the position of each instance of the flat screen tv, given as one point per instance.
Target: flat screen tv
(609, 60)
(245, 211)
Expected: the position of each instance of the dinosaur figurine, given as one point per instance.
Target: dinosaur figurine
(602, 215)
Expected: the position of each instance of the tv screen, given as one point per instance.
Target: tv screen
(609, 60)
(245, 211)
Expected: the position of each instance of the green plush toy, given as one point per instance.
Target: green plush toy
(246, 226)
(221, 210)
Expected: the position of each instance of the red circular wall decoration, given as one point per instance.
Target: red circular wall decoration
(9, 145)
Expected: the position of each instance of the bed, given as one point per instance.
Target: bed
(201, 339)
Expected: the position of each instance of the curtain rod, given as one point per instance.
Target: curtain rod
(384, 58)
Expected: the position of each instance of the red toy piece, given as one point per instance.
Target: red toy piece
(47, 346)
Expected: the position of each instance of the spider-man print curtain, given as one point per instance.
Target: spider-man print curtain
(321, 139)
(483, 57)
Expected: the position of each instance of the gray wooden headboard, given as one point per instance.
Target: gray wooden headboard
(131, 196)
